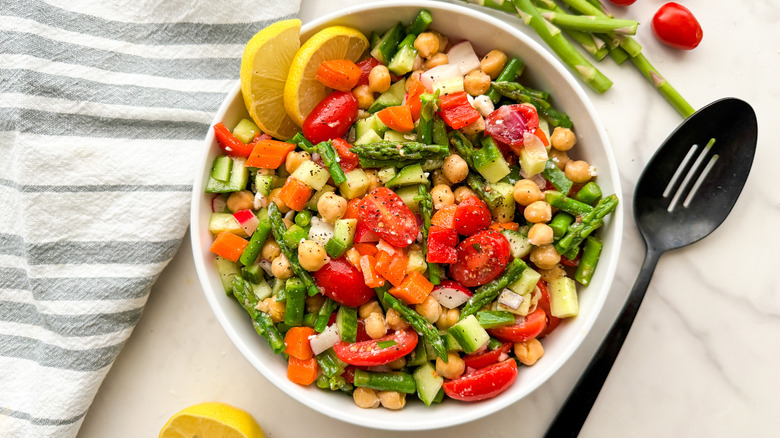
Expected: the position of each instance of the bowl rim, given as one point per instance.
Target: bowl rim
(475, 410)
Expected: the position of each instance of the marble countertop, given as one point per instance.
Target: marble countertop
(701, 358)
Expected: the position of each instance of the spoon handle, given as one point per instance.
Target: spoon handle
(575, 410)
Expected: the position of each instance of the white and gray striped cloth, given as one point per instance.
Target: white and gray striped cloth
(103, 109)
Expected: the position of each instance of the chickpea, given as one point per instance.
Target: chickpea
(379, 79)
(455, 168)
(280, 267)
(419, 63)
(463, 192)
(555, 273)
(314, 303)
(436, 60)
(364, 96)
(365, 398)
(369, 308)
(274, 197)
(376, 327)
(563, 139)
(474, 127)
(426, 44)
(538, 212)
(578, 171)
(438, 178)
(442, 196)
(312, 256)
(393, 400)
(454, 367)
(295, 159)
(560, 158)
(397, 364)
(444, 42)
(275, 309)
(540, 234)
(528, 352)
(413, 79)
(270, 250)
(476, 82)
(373, 180)
(429, 309)
(331, 207)
(527, 192)
(448, 319)
(395, 321)
(243, 200)
(493, 63)
(545, 256)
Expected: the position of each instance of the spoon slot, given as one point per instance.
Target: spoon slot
(691, 173)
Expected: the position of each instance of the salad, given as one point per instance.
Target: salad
(420, 233)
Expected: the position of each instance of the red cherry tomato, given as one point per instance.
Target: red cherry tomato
(343, 283)
(481, 360)
(544, 304)
(525, 328)
(471, 216)
(372, 353)
(481, 258)
(331, 118)
(622, 2)
(483, 383)
(676, 27)
(386, 215)
(509, 123)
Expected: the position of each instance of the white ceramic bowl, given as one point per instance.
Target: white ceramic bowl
(544, 72)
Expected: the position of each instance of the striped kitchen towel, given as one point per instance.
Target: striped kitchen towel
(104, 106)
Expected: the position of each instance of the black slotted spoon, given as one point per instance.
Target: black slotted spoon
(684, 193)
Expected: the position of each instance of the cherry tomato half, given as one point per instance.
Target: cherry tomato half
(509, 123)
(331, 118)
(471, 216)
(483, 383)
(544, 304)
(525, 328)
(343, 283)
(622, 2)
(365, 67)
(676, 27)
(386, 215)
(481, 258)
(377, 351)
(481, 360)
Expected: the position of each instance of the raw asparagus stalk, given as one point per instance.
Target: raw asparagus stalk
(567, 204)
(665, 88)
(398, 154)
(590, 257)
(390, 381)
(417, 321)
(330, 157)
(278, 228)
(513, 68)
(488, 292)
(584, 7)
(589, 23)
(425, 203)
(560, 45)
(261, 321)
(589, 223)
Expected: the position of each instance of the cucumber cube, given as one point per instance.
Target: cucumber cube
(428, 383)
(469, 334)
(312, 174)
(563, 298)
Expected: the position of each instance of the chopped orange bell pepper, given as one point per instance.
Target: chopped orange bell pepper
(397, 118)
(229, 246)
(269, 154)
(392, 267)
(445, 217)
(339, 74)
(413, 290)
(295, 194)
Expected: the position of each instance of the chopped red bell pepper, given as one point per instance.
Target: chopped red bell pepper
(442, 243)
(230, 143)
(456, 111)
(413, 99)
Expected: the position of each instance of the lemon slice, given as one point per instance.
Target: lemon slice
(211, 420)
(264, 67)
(303, 92)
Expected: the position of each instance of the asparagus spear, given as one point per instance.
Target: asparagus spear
(425, 203)
(518, 92)
(278, 228)
(330, 157)
(567, 204)
(589, 23)
(584, 7)
(420, 324)
(589, 223)
(590, 256)
(560, 45)
(513, 68)
(397, 154)
(488, 292)
(261, 321)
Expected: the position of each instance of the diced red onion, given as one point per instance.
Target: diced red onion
(502, 357)
(260, 201)
(266, 265)
(218, 203)
(321, 232)
(439, 74)
(463, 56)
(450, 297)
(316, 157)
(325, 340)
(510, 299)
(386, 247)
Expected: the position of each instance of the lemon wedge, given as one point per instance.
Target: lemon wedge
(264, 66)
(303, 92)
(211, 420)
